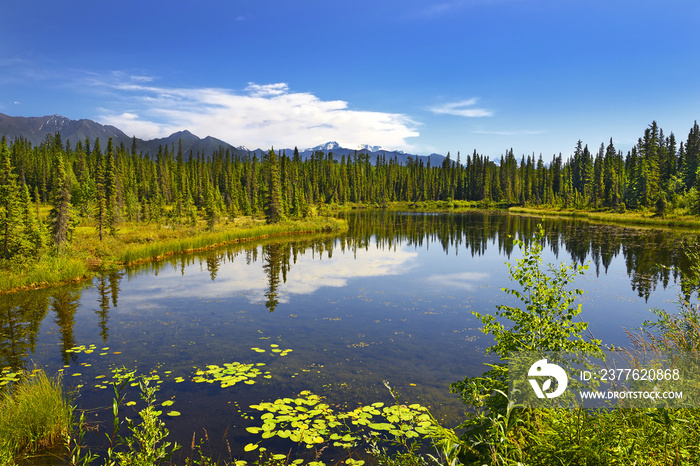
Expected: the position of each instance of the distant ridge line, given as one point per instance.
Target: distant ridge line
(36, 129)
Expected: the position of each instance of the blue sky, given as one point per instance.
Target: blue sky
(413, 75)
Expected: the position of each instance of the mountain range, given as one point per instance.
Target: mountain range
(36, 129)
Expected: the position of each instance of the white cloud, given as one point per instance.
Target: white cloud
(309, 273)
(439, 9)
(133, 125)
(264, 115)
(267, 90)
(142, 79)
(465, 280)
(463, 108)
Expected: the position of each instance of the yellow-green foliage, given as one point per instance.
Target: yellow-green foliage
(186, 243)
(51, 269)
(627, 218)
(136, 242)
(34, 415)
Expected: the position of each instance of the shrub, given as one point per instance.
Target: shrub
(545, 323)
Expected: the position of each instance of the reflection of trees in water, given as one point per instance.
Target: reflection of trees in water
(213, 263)
(273, 258)
(107, 290)
(651, 256)
(65, 303)
(22, 313)
(20, 318)
(103, 301)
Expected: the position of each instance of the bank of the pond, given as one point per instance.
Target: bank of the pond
(86, 255)
(638, 218)
(423, 206)
(627, 218)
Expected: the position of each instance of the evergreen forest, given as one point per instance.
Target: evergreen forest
(104, 185)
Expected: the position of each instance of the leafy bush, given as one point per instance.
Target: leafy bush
(501, 433)
(546, 322)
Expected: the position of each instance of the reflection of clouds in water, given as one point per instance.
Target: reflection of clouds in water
(307, 275)
(465, 280)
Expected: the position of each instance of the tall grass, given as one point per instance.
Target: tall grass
(140, 252)
(629, 218)
(137, 243)
(49, 270)
(34, 415)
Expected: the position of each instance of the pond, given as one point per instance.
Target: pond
(390, 300)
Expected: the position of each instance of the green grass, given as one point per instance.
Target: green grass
(34, 415)
(138, 242)
(628, 218)
(140, 252)
(50, 269)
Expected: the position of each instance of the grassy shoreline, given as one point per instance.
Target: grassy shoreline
(632, 218)
(425, 206)
(139, 243)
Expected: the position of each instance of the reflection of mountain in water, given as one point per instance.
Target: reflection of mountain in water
(652, 257)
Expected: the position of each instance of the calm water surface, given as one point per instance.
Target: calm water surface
(390, 300)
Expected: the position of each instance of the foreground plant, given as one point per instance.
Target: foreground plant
(146, 446)
(35, 414)
(547, 321)
(503, 433)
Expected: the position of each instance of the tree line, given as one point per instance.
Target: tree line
(106, 186)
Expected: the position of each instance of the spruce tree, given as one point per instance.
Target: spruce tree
(273, 198)
(210, 208)
(60, 216)
(101, 215)
(9, 205)
(691, 160)
(110, 186)
(33, 231)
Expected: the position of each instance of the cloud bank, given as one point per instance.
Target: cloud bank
(261, 116)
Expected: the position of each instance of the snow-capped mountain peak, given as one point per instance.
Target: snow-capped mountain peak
(334, 145)
(328, 146)
(369, 147)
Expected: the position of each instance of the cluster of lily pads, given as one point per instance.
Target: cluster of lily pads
(274, 349)
(231, 374)
(7, 376)
(235, 372)
(89, 349)
(308, 420)
(228, 375)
